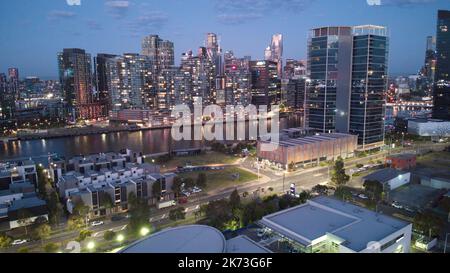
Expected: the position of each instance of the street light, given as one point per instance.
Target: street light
(120, 238)
(90, 245)
(144, 231)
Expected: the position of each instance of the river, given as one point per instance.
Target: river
(149, 142)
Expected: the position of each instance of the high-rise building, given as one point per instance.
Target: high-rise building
(347, 67)
(274, 53)
(266, 86)
(294, 69)
(13, 74)
(368, 85)
(429, 68)
(101, 78)
(329, 68)
(237, 80)
(6, 104)
(214, 53)
(294, 93)
(441, 94)
(75, 74)
(128, 80)
(161, 51)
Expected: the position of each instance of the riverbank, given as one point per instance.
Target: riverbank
(97, 130)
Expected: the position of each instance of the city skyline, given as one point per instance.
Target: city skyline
(29, 50)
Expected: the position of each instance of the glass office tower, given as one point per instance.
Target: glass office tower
(441, 108)
(329, 69)
(368, 85)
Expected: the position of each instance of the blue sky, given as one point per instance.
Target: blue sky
(33, 31)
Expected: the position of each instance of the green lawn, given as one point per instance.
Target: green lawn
(222, 179)
(204, 159)
(435, 160)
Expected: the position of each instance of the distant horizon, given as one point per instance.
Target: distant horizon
(34, 32)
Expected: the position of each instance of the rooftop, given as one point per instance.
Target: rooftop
(27, 203)
(185, 239)
(356, 226)
(243, 244)
(384, 175)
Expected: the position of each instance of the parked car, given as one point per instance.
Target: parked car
(408, 209)
(117, 218)
(19, 242)
(363, 196)
(261, 233)
(397, 205)
(186, 193)
(196, 190)
(97, 223)
(183, 200)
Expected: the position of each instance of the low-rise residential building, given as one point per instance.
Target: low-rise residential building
(391, 179)
(328, 225)
(17, 172)
(20, 206)
(103, 182)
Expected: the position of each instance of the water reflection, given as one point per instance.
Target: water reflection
(152, 141)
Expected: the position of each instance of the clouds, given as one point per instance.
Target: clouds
(56, 15)
(235, 12)
(147, 22)
(118, 8)
(405, 2)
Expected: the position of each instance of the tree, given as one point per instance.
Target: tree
(339, 177)
(304, 196)
(428, 223)
(51, 248)
(343, 193)
(23, 250)
(24, 219)
(54, 208)
(219, 212)
(374, 189)
(176, 186)
(156, 190)
(5, 241)
(177, 214)
(105, 200)
(75, 222)
(189, 182)
(291, 167)
(43, 232)
(235, 199)
(109, 235)
(139, 213)
(43, 181)
(202, 180)
(83, 235)
(81, 210)
(320, 189)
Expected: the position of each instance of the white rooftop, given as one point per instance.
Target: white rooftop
(243, 244)
(185, 239)
(355, 225)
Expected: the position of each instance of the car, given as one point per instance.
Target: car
(354, 194)
(97, 223)
(397, 205)
(19, 242)
(261, 233)
(186, 193)
(408, 209)
(183, 200)
(363, 196)
(196, 190)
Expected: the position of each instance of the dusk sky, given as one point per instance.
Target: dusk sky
(33, 31)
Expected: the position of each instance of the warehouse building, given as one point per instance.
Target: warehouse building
(301, 148)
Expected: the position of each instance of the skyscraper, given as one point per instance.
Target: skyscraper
(348, 72)
(101, 78)
(441, 94)
(266, 86)
(161, 51)
(75, 74)
(274, 53)
(329, 68)
(368, 85)
(294, 69)
(128, 80)
(237, 80)
(429, 68)
(214, 53)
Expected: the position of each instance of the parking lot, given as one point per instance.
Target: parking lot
(414, 196)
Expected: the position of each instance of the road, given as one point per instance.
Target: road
(279, 182)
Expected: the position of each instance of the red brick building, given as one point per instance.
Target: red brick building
(401, 161)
